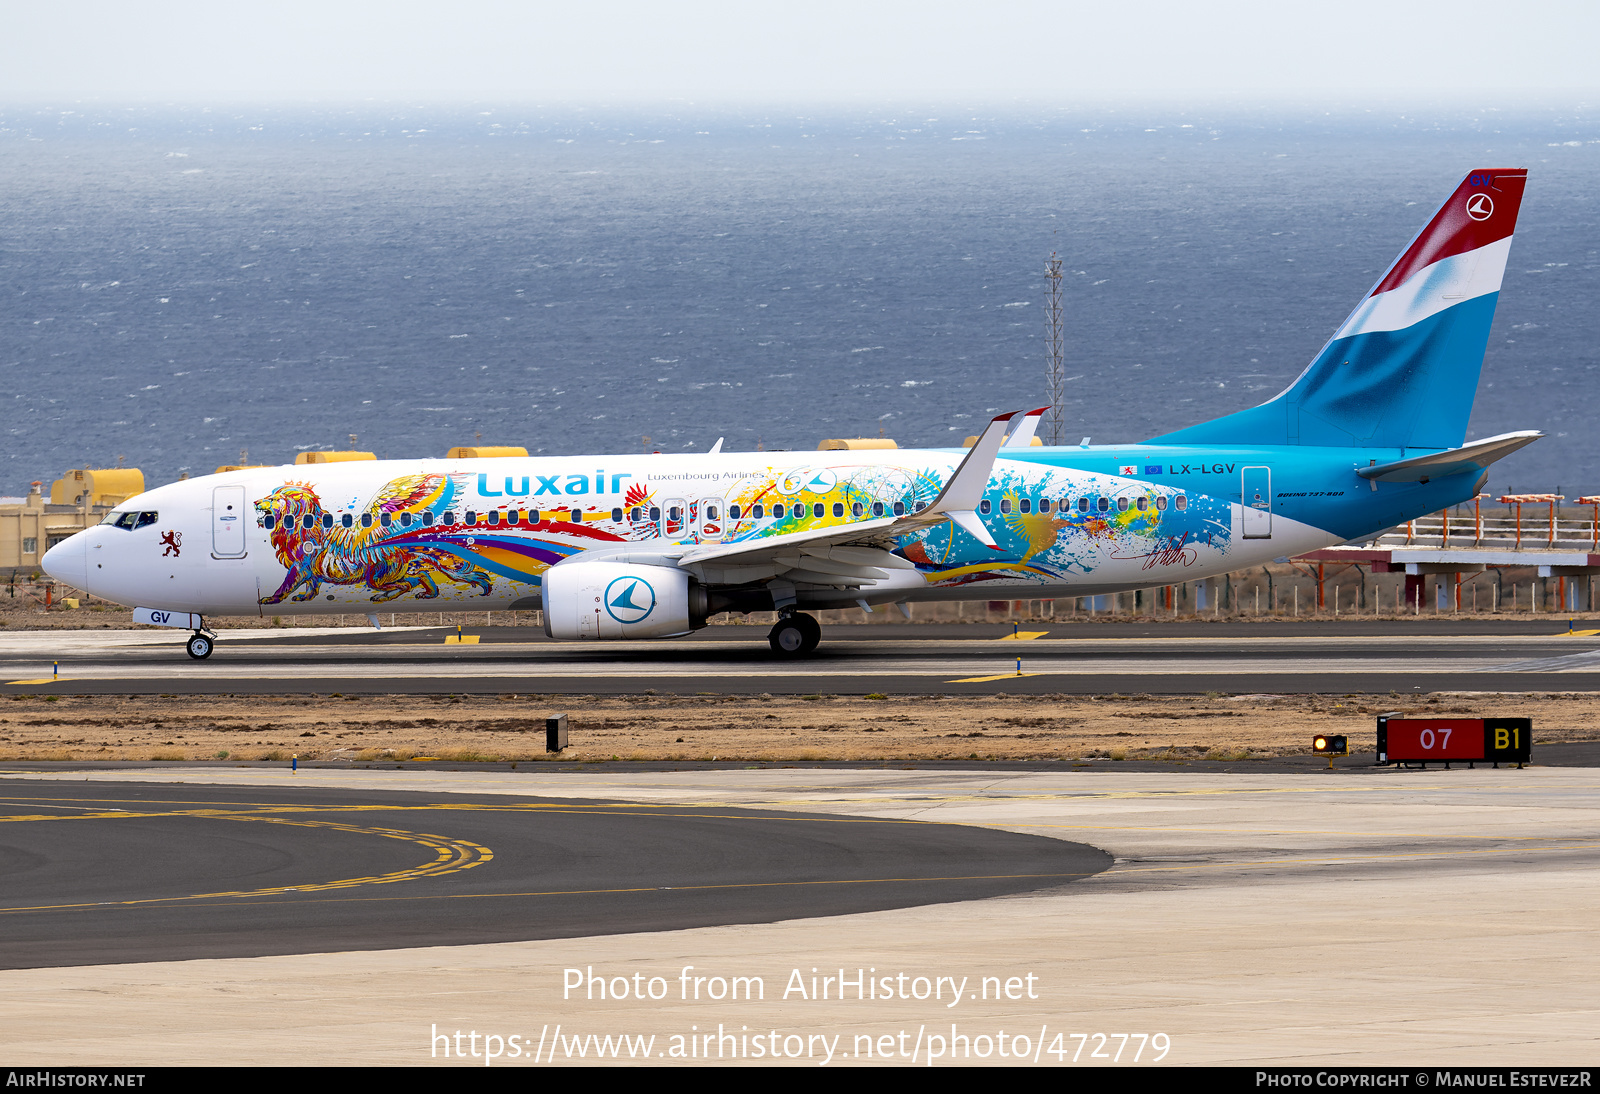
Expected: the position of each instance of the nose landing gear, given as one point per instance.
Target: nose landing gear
(795, 635)
(200, 645)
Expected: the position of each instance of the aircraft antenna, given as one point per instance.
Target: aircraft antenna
(1056, 370)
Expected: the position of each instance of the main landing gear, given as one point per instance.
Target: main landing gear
(200, 645)
(795, 635)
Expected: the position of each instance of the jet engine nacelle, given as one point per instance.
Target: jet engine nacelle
(620, 600)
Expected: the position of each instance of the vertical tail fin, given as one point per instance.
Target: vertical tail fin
(1402, 371)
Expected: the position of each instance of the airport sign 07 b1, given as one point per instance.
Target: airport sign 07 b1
(1454, 740)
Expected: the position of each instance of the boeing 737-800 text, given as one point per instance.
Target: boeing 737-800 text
(1371, 434)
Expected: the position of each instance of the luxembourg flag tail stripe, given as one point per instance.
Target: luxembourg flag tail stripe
(1483, 210)
(1402, 370)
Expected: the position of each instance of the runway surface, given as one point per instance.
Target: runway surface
(104, 873)
(1519, 655)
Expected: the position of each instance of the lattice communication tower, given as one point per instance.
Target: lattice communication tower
(1052, 421)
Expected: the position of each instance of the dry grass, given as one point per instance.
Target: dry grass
(682, 728)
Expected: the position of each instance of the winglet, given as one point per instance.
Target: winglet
(958, 501)
(1022, 436)
(965, 488)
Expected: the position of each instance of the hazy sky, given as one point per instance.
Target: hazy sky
(1463, 51)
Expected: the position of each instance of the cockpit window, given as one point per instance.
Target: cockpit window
(131, 520)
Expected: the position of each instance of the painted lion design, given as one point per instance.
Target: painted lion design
(391, 561)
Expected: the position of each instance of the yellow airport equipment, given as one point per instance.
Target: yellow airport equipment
(485, 452)
(97, 486)
(970, 441)
(850, 444)
(333, 457)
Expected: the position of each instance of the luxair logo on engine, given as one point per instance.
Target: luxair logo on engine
(630, 599)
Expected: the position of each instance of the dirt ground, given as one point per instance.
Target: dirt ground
(680, 727)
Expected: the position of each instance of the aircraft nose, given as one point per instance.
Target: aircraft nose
(68, 561)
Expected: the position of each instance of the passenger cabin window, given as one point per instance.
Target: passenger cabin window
(494, 518)
(778, 510)
(449, 517)
(816, 509)
(1083, 505)
(307, 520)
(636, 514)
(577, 516)
(268, 522)
(1044, 505)
(1103, 504)
(384, 519)
(616, 515)
(758, 511)
(655, 514)
(405, 520)
(900, 508)
(984, 506)
(1025, 506)
(877, 508)
(1181, 501)
(1005, 505)
(327, 520)
(347, 520)
(856, 510)
(733, 512)
(427, 518)
(1142, 503)
(1122, 505)
(366, 520)
(472, 517)
(1161, 504)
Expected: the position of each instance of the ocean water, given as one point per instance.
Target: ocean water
(182, 286)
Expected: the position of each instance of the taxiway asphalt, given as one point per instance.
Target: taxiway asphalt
(97, 873)
(1518, 655)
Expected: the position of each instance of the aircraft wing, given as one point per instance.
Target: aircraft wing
(856, 553)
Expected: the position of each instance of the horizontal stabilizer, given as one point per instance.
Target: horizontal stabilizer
(1439, 465)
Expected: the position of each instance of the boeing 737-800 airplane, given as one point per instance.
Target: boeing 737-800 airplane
(615, 547)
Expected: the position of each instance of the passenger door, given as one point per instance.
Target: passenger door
(227, 522)
(1255, 495)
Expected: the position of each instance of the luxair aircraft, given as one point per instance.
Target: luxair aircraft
(1370, 435)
